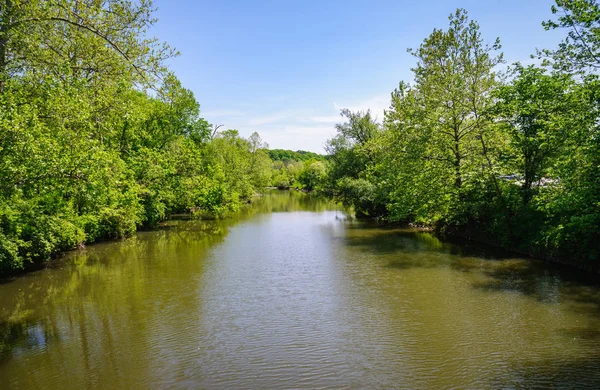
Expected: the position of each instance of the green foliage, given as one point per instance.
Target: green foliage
(286, 173)
(289, 155)
(511, 161)
(312, 175)
(537, 111)
(85, 153)
(358, 193)
(350, 177)
(300, 169)
(580, 49)
(453, 79)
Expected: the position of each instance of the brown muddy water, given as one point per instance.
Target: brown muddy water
(293, 294)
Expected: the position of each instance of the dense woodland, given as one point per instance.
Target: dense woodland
(510, 157)
(98, 138)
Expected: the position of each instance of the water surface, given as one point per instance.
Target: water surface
(293, 294)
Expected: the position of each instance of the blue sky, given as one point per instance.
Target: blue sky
(285, 68)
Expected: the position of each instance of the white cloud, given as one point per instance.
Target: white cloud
(325, 119)
(271, 118)
(298, 129)
(223, 113)
(376, 104)
(300, 137)
(309, 130)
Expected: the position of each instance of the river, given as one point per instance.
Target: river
(294, 294)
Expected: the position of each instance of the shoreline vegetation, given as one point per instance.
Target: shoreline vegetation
(503, 157)
(99, 139)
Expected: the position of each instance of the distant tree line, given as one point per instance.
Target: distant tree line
(299, 169)
(290, 155)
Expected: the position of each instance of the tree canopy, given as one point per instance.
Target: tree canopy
(98, 138)
(508, 158)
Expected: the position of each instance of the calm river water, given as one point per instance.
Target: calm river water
(293, 294)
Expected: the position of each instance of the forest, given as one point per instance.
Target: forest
(98, 138)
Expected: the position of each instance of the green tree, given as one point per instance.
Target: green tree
(537, 111)
(573, 208)
(313, 175)
(81, 39)
(350, 178)
(349, 148)
(85, 151)
(580, 49)
(440, 148)
(260, 162)
(455, 77)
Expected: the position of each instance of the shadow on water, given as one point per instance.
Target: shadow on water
(496, 271)
(504, 271)
(546, 283)
(382, 239)
(580, 373)
(29, 326)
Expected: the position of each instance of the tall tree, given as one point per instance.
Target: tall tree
(349, 148)
(455, 77)
(260, 162)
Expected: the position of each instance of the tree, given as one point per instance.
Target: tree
(85, 151)
(571, 206)
(260, 163)
(350, 178)
(412, 179)
(440, 147)
(537, 110)
(175, 113)
(312, 175)
(580, 50)
(90, 39)
(454, 77)
(572, 231)
(349, 148)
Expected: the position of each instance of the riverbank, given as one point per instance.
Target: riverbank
(470, 236)
(40, 263)
(465, 236)
(316, 299)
